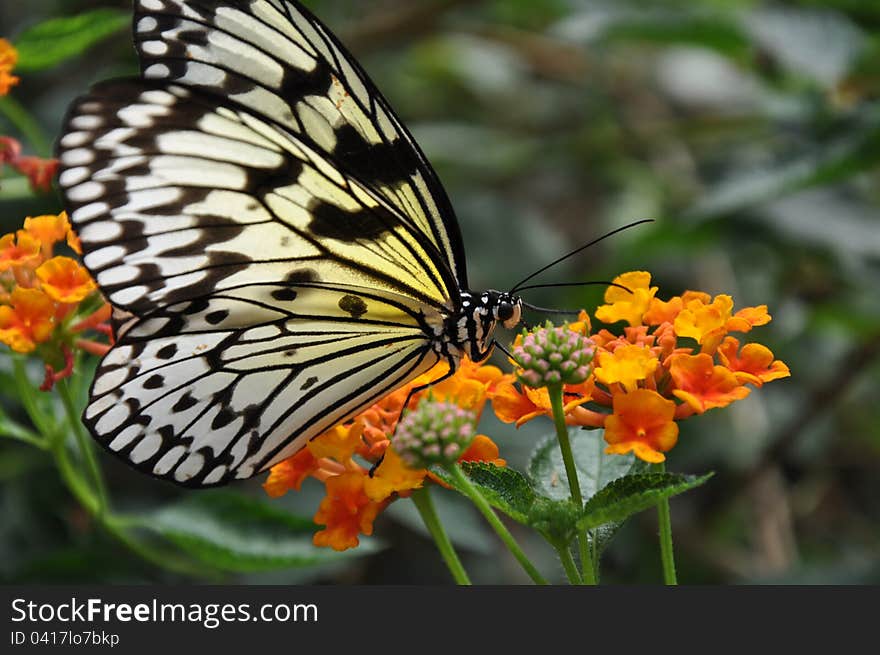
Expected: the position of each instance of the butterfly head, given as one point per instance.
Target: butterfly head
(506, 309)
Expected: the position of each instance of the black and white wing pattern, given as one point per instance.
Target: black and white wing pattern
(284, 250)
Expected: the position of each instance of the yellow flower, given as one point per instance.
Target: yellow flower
(65, 280)
(627, 365)
(627, 305)
(706, 323)
(8, 60)
(392, 476)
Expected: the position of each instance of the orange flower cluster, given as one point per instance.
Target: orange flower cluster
(48, 301)
(654, 375)
(342, 458)
(40, 172)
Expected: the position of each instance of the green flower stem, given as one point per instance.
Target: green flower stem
(43, 422)
(27, 126)
(477, 499)
(85, 445)
(557, 405)
(666, 552)
(571, 571)
(78, 487)
(423, 502)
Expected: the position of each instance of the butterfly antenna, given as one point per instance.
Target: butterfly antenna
(573, 284)
(574, 252)
(547, 310)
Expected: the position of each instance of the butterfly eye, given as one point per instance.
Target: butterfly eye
(505, 311)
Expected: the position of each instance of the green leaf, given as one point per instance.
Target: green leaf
(632, 494)
(505, 488)
(56, 40)
(237, 533)
(595, 469)
(511, 492)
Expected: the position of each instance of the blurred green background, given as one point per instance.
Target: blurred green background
(750, 130)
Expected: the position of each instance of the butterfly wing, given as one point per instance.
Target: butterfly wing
(276, 59)
(192, 395)
(280, 280)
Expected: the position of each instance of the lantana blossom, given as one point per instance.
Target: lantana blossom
(48, 302)
(674, 359)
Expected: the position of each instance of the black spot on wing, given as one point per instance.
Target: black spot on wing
(224, 417)
(308, 384)
(333, 222)
(216, 318)
(353, 305)
(301, 276)
(284, 295)
(167, 352)
(154, 382)
(185, 402)
(388, 164)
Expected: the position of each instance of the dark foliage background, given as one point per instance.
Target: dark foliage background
(750, 130)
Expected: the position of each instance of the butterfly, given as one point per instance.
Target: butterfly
(278, 251)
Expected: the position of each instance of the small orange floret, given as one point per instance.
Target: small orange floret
(702, 384)
(65, 280)
(8, 60)
(753, 364)
(642, 423)
(19, 249)
(663, 311)
(29, 321)
(290, 473)
(346, 512)
(745, 319)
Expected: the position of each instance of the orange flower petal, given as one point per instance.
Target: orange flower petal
(19, 249)
(702, 384)
(642, 423)
(8, 60)
(483, 449)
(753, 364)
(512, 406)
(48, 229)
(65, 280)
(290, 473)
(660, 311)
(29, 321)
(346, 512)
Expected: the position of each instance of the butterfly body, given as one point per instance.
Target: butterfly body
(278, 251)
